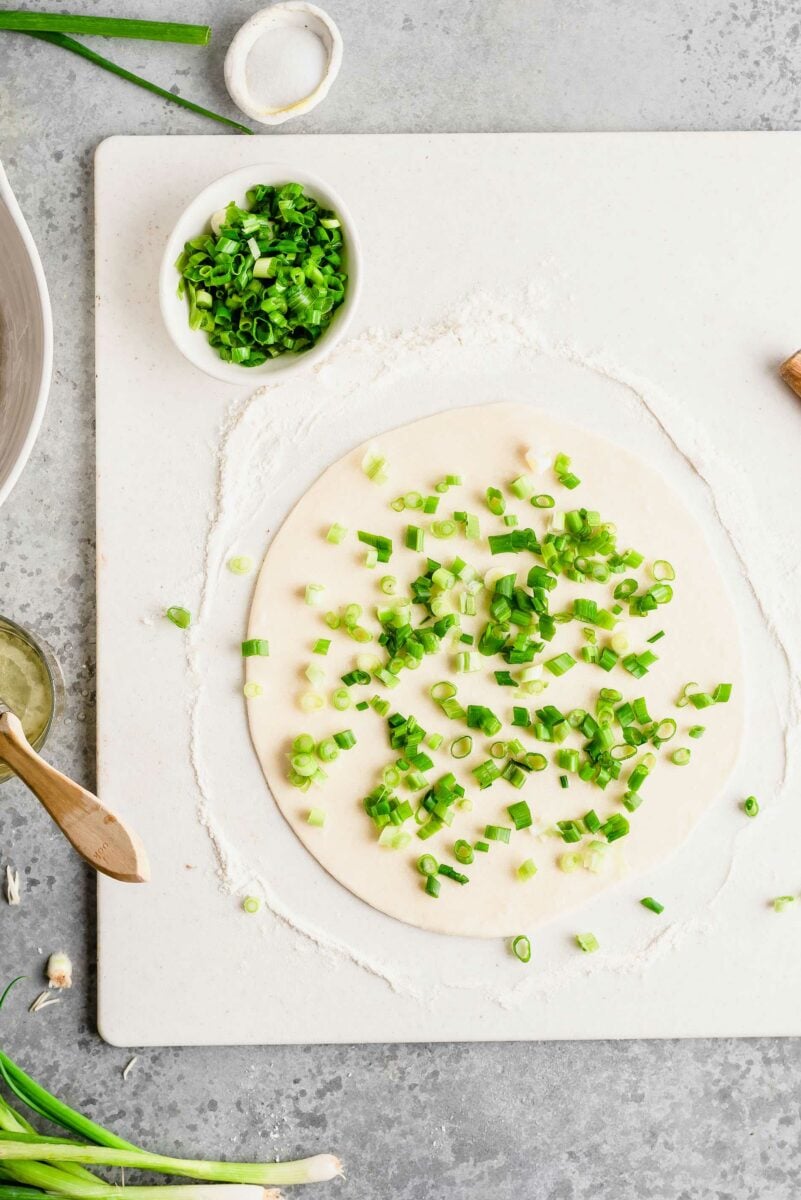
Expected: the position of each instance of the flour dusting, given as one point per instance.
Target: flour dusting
(259, 443)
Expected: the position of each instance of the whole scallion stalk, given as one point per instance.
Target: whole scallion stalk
(152, 31)
(56, 1165)
(22, 1147)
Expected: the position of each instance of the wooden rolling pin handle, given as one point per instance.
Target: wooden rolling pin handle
(94, 831)
(790, 371)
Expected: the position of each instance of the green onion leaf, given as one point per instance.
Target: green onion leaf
(67, 43)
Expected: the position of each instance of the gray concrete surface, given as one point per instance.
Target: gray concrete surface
(685, 1121)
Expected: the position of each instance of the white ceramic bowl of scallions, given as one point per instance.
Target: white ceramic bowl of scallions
(238, 300)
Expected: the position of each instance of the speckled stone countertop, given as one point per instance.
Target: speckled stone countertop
(624, 1121)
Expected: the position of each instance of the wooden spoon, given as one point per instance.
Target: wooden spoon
(95, 832)
(790, 371)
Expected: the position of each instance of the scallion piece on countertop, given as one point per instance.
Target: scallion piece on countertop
(122, 27)
(255, 647)
(527, 870)
(587, 942)
(521, 948)
(179, 616)
(251, 904)
(783, 902)
(751, 806)
(652, 905)
(75, 47)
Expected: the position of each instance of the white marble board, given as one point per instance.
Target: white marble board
(656, 280)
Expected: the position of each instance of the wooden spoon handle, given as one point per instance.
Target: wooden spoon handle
(790, 371)
(95, 832)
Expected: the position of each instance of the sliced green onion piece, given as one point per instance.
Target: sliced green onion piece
(495, 501)
(432, 885)
(521, 948)
(251, 904)
(751, 806)
(523, 487)
(316, 817)
(461, 747)
(314, 594)
(427, 864)
(374, 465)
(543, 500)
(252, 690)
(561, 664)
(255, 647)
(463, 852)
(527, 870)
(680, 757)
(497, 833)
(240, 565)
(652, 905)
(336, 534)
(686, 694)
(662, 570)
(520, 814)
(179, 616)
(783, 902)
(569, 861)
(450, 873)
(696, 731)
(442, 691)
(587, 942)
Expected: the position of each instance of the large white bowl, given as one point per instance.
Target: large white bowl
(26, 340)
(195, 218)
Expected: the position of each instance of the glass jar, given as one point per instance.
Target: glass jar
(31, 684)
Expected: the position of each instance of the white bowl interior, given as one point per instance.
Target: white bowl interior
(25, 341)
(195, 218)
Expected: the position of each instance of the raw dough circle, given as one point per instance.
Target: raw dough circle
(486, 446)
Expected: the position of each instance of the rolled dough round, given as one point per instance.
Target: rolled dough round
(486, 446)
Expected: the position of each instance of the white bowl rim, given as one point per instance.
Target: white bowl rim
(235, 67)
(46, 363)
(239, 181)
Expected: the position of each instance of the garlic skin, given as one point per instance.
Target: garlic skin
(59, 970)
(12, 886)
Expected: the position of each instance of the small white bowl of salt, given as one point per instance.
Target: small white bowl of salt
(283, 61)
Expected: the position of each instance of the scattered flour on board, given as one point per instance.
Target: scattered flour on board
(274, 430)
